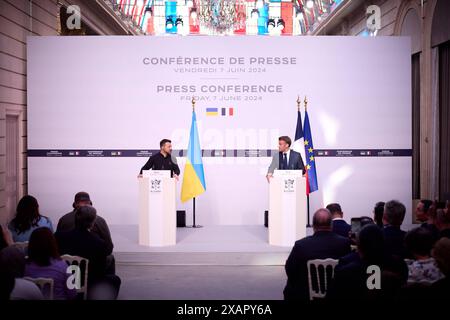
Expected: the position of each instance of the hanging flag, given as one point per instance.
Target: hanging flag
(194, 177)
(311, 175)
(298, 145)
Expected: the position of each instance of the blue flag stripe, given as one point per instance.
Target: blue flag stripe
(194, 153)
(299, 129)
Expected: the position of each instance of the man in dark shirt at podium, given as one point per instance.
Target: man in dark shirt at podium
(163, 160)
(285, 159)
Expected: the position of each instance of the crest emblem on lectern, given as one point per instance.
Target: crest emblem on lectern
(155, 185)
(289, 185)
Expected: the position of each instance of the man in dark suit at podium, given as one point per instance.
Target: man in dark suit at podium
(285, 159)
(163, 160)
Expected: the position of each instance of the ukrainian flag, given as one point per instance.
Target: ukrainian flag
(212, 111)
(194, 177)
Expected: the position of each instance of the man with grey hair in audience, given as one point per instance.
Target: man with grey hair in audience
(321, 245)
(394, 213)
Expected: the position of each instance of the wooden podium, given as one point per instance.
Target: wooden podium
(157, 209)
(287, 207)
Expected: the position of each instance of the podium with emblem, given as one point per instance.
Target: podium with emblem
(157, 209)
(287, 207)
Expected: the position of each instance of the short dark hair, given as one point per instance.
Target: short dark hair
(285, 139)
(322, 219)
(334, 208)
(163, 142)
(419, 241)
(371, 244)
(426, 204)
(365, 220)
(85, 217)
(394, 212)
(378, 213)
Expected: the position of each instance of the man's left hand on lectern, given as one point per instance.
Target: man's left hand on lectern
(175, 177)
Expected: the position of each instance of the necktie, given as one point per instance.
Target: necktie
(285, 163)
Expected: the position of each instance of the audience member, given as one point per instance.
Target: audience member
(67, 223)
(82, 242)
(422, 210)
(394, 213)
(423, 268)
(441, 253)
(12, 265)
(351, 280)
(354, 255)
(339, 227)
(321, 245)
(27, 219)
(6, 284)
(378, 212)
(443, 223)
(44, 261)
(426, 213)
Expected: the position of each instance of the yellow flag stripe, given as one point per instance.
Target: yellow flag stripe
(191, 186)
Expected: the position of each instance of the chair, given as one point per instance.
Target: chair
(320, 273)
(82, 263)
(43, 283)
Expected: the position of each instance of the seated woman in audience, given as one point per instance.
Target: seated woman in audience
(423, 268)
(44, 262)
(27, 219)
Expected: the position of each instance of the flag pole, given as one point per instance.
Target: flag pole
(193, 199)
(308, 225)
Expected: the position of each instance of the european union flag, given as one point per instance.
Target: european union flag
(311, 182)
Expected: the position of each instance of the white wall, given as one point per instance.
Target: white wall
(95, 93)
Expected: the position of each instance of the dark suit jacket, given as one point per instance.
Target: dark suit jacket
(295, 162)
(350, 280)
(394, 239)
(341, 228)
(87, 245)
(321, 245)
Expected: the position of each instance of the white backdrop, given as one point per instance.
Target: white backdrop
(125, 93)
